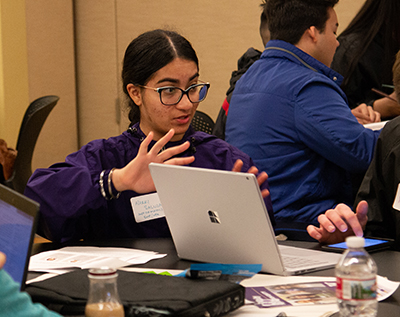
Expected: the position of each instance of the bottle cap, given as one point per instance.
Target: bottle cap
(355, 242)
(102, 272)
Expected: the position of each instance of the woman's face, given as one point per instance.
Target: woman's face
(156, 117)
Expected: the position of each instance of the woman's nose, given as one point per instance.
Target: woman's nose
(184, 103)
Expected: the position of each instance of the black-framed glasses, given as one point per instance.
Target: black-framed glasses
(171, 95)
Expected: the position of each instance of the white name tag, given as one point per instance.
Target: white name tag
(147, 207)
(396, 203)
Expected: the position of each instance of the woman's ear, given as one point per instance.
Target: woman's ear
(135, 94)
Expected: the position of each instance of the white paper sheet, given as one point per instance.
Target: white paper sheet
(375, 125)
(88, 257)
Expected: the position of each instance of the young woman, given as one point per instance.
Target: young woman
(89, 195)
(366, 54)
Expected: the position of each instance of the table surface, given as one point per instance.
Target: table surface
(388, 262)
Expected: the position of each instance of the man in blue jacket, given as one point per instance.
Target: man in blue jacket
(290, 115)
(377, 199)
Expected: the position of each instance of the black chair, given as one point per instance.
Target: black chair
(202, 122)
(31, 125)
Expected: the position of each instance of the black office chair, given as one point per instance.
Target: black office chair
(31, 125)
(202, 122)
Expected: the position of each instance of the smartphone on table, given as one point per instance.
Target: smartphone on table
(371, 245)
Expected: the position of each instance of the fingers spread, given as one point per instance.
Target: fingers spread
(145, 144)
(253, 170)
(237, 167)
(161, 143)
(172, 151)
(180, 160)
(265, 193)
(261, 178)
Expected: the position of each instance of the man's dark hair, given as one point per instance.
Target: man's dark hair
(289, 19)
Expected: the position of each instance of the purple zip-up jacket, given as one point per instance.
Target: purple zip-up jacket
(71, 204)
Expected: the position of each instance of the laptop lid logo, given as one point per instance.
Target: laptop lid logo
(214, 216)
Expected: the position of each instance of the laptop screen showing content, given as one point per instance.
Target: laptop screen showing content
(17, 229)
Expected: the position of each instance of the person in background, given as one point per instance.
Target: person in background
(89, 195)
(278, 114)
(15, 303)
(376, 199)
(366, 54)
(7, 160)
(244, 63)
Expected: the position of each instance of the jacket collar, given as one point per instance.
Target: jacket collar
(278, 48)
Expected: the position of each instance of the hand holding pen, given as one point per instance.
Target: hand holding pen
(388, 106)
(381, 93)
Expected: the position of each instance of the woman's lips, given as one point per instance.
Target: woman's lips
(183, 119)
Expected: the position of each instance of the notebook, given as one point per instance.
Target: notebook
(220, 216)
(18, 220)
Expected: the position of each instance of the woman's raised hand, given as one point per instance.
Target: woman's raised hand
(136, 174)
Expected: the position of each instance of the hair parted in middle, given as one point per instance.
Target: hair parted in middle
(148, 53)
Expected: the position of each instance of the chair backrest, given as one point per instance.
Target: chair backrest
(31, 125)
(202, 122)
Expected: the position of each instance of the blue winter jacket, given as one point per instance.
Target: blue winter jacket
(71, 204)
(289, 114)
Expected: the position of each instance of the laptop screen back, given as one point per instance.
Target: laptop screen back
(17, 229)
(220, 216)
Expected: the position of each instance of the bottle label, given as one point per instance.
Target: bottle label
(355, 289)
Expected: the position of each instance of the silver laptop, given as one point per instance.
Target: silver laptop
(18, 220)
(220, 216)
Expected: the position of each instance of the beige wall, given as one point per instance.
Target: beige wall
(75, 49)
(13, 69)
(346, 10)
(51, 65)
(97, 67)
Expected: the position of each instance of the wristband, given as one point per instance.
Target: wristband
(110, 186)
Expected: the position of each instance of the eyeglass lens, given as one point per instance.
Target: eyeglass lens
(171, 95)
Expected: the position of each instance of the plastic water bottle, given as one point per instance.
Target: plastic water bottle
(356, 280)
